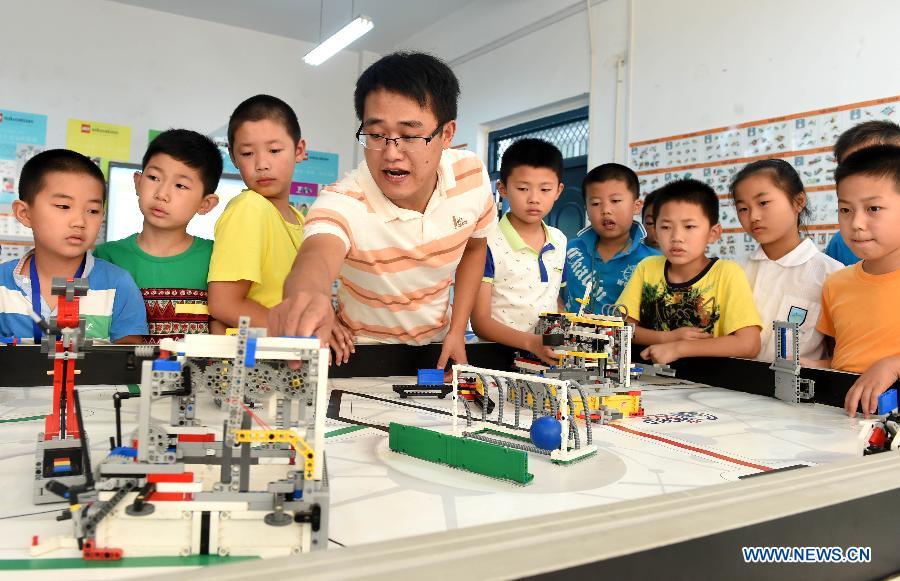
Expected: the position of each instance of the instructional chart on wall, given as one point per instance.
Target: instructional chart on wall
(715, 155)
(22, 135)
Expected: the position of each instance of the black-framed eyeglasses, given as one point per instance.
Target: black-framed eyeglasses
(378, 142)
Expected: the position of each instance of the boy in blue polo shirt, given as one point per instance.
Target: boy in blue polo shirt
(61, 197)
(525, 257)
(606, 253)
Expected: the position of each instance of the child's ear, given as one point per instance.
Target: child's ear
(559, 192)
(638, 204)
(207, 204)
(501, 188)
(231, 156)
(800, 201)
(715, 233)
(22, 212)
(300, 151)
(137, 181)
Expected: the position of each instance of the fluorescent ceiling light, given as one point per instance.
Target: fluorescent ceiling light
(338, 41)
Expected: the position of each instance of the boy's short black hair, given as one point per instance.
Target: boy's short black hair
(55, 160)
(612, 171)
(866, 133)
(878, 161)
(261, 107)
(194, 150)
(692, 192)
(649, 199)
(423, 78)
(531, 152)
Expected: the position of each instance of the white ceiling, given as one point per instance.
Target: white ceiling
(395, 20)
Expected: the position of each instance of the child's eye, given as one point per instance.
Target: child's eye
(874, 209)
(182, 187)
(93, 211)
(246, 153)
(739, 210)
(763, 202)
(62, 206)
(690, 226)
(152, 177)
(275, 151)
(844, 210)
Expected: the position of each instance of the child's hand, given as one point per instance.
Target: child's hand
(686, 334)
(662, 353)
(544, 352)
(341, 343)
(875, 381)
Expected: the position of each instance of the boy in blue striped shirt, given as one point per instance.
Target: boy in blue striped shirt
(61, 198)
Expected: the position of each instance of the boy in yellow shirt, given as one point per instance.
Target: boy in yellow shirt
(684, 303)
(259, 233)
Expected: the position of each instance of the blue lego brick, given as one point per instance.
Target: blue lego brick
(126, 451)
(166, 365)
(62, 469)
(887, 401)
(430, 377)
(250, 353)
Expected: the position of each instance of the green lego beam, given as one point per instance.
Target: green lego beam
(472, 455)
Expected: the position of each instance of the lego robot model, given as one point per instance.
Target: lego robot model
(59, 454)
(548, 400)
(259, 490)
(594, 351)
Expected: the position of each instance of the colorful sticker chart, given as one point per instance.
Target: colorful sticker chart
(714, 156)
(22, 135)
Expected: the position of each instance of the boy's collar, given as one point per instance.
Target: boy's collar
(636, 232)
(19, 270)
(515, 240)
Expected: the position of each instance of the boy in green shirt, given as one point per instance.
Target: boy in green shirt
(181, 171)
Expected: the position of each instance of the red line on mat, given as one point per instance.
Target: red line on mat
(692, 448)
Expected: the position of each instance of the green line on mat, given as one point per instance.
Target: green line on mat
(342, 431)
(76, 563)
(25, 419)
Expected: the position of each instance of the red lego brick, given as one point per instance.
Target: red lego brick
(878, 437)
(183, 477)
(91, 553)
(196, 437)
(169, 496)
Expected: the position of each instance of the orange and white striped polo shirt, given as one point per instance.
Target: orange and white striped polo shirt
(396, 277)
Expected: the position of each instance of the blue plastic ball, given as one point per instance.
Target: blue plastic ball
(546, 433)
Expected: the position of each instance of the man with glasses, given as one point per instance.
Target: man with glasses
(401, 228)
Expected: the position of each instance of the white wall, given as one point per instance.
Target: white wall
(526, 69)
(104, 61)
(699, 65)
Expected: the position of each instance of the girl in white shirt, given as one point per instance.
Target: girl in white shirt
(786, 272)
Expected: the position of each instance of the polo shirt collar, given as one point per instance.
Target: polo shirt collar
(386, 209)
(515, 241)
(589, 238)
(803, 253)
(22, 277)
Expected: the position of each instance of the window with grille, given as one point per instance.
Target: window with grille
(567, 131)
